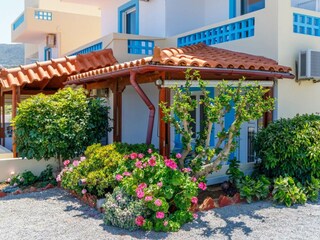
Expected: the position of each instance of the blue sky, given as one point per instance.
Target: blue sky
(9, 11)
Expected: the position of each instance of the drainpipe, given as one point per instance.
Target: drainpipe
(147, 102)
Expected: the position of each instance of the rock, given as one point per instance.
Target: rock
(225, 201)
(17, 192)
(99, 204)
(207, 204)
(194, 208)
(236, 198)
(2, 194)
(32, 189)
(49, 186)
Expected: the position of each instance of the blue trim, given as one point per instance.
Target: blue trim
(46, 51)
(306, 24)
(18, 22)
(125, 7)
(92, 48)
(232, 8)
(225, 33)
(143, 47)
(177, 137)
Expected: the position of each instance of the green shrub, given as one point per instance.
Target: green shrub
(46, 176)
(290, 147)
(286, 191)
(234, 173)
(121, 210)
(61, 125)
(166, 191)
(312, 189)
(98, 169)
(26, 178)
(251, 188)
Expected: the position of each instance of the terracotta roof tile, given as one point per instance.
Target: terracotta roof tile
(199, 55)
(55, 69)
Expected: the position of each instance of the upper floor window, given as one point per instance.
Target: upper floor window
(248, 6)
(129, 17)
(313, 5)
(47, 54)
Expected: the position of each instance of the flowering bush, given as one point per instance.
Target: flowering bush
(94, 173)
(122, 210)
(26, 178)
(166, 191)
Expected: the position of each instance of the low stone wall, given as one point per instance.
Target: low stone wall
(18, 165)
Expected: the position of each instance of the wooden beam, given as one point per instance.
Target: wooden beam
(117, 91)
(35, 92)
(164, 136)
(14, 113)
(44, 83)
(268, 116)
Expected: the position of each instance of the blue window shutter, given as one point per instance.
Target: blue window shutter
(122, 9)
(232, 8)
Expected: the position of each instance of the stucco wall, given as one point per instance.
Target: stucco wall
(8, 166)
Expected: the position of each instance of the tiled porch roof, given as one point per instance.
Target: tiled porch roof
(199, 55)
(51, 74)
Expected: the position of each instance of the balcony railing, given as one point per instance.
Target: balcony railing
(305, 24)
(43, 15)
(144, 47)
(225, 33)
(18, 22)
(92, 48)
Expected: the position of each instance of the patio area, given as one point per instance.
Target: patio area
(54, 214)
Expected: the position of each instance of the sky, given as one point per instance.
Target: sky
(10, 10)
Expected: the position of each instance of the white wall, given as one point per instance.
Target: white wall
(216, 11)
(135, 115)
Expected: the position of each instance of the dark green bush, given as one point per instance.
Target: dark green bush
(26, 178)
(290, 147)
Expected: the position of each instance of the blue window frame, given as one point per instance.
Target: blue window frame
(232, 8)
(248, 6)
(47, 53)
(129, 17)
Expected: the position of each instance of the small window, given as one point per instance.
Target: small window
(129, 18)
(47, 54)
(248, 6)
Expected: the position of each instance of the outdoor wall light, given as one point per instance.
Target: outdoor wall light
(159, 82)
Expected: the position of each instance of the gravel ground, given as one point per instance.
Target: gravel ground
(54, 214)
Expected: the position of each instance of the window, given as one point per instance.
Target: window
(47, 54)
(248, 6)
(129, 17)
(198, 115)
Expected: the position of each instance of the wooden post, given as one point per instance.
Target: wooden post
(164, 136)
(15, 101)
(3, 119)
(117, 112)
(268, 116)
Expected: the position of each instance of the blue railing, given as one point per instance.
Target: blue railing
(43, 15)
(305, 24)
(226, 33)
(92, 48)
(144, 47)
(18, 22)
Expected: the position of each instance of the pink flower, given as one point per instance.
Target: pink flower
(142, 186)
(118, 177)
(187, 170)
(133, 156)
(128, 174)
(194, 200)
(178, 155)
(159, 184)
(140, 221)
(84, 191)
(160, 215)
(152, 161)
(8, 180)
(140, 193)
(76, 163)
(66, 163)
(149, 150)
(144, 165)
(71, 169)
(195, 216)
(171, 164)
(139, 164)
(148, 198)
(193, 179)
(82, 158)
(202, 186)
(165, 223)
(140, 155)
(158, 202)
(58, 178)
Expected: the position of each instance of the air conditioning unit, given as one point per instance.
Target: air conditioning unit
(309, 65)
(51, 41)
